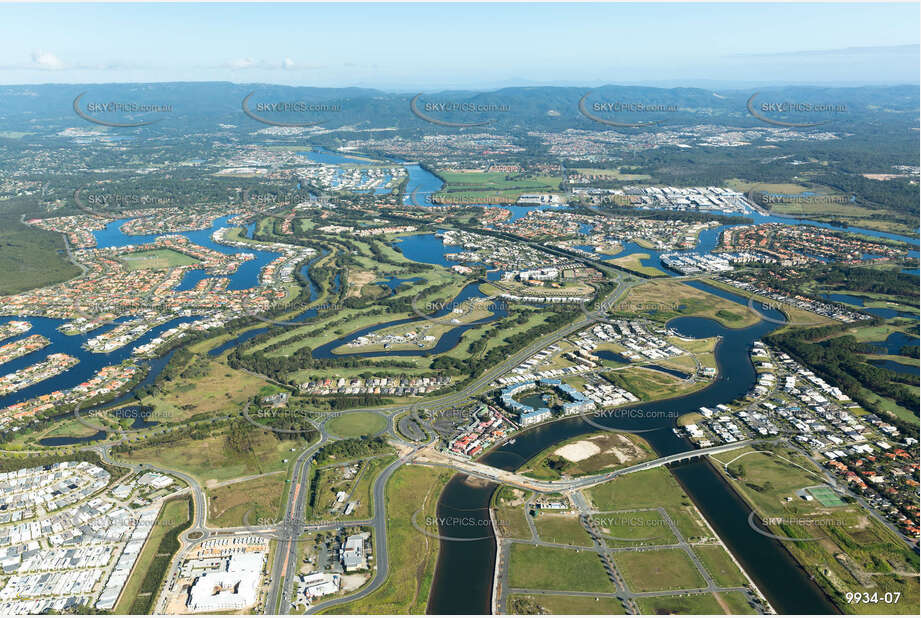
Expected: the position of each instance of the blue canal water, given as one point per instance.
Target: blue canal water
(89, 364)
(300, 317)
(247, 276)
(891, 365)
(395, 282)
(895, 342)
(426, 248)
(858, 301)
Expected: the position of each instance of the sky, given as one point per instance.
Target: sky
(412, 47)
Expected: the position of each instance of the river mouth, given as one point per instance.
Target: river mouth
(785, 584)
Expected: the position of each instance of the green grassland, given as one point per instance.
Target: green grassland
(491, 187)
(634, 264)
(29, 257)
(852, 550)
(720, 565)
(215, 388)
(211, 458)
(413, 555)
(156, 259)
(508, 506)
(676, 299)
(356, 424)
(327, 482)
(518, 604)
(658, 569)
(705, 603)
(794, 314)
(150, 568)
(788, 188)
(363, 492)
(651, 385)
(563, 529)
(611, 174)
(634, 528)
(247, 502)
(649, 489)
(553, 568)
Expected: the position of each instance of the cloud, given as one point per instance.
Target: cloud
(46, 60)
(288, 64)
(881, 50)
(243, 63)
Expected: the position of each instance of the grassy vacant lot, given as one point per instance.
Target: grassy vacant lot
(720, 566)
(211, 458)
(156, 259)
(611, 174)
(551, 568)
(261, 498)
(508, 505)
(563, 529)
(562, 604)
(218, 389)
(660, 569)
(706, 603)
(29, 257)
(794, 314)
(788, 188)
(853, 551)
(492, 187)
(327, 482)
(614, 450)
(647, 489)
(634, 528)
(412, 554)
(767, 480)
(677, 299)
(357, 424)
(650, 385)
(174, 514)
(633, 263)
(736, 602)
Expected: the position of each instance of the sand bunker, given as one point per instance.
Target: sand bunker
(577, 451)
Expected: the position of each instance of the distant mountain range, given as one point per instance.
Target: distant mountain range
(203, 105)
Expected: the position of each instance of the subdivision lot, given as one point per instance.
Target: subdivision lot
(563, 529)
(658, 569)
(551, 568)
(562, 604)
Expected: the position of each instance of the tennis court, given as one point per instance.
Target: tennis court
(825, 496)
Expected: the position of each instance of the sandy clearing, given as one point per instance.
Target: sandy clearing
(577, 451)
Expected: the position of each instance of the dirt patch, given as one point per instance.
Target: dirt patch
(352, 582)
(358, 279)
(620, 447)
(578, 451)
